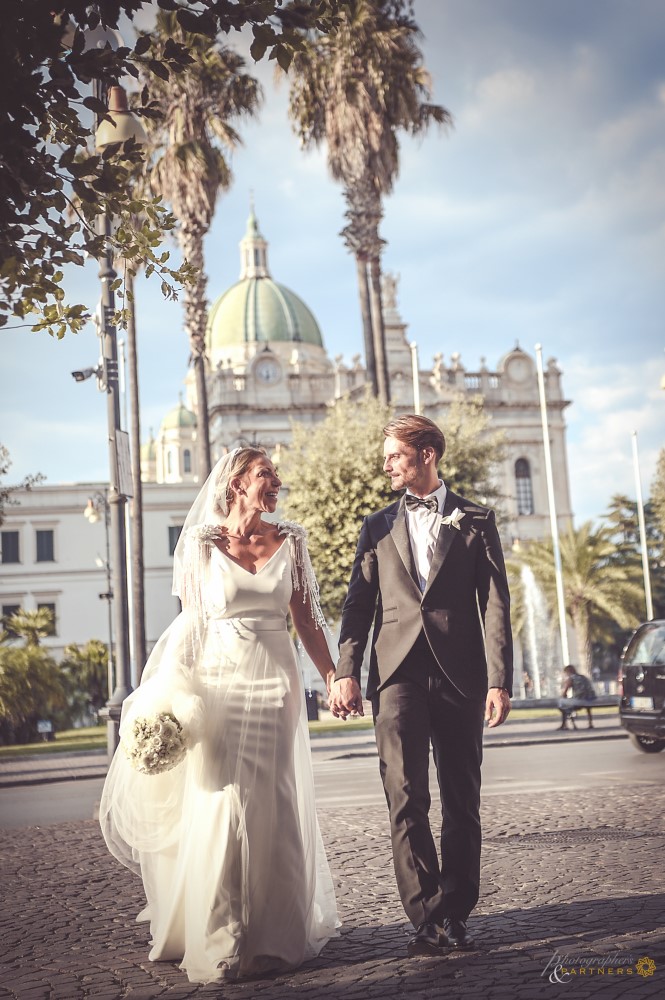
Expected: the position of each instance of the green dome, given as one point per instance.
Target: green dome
(149, 450)
(258, 310)
(178, 417)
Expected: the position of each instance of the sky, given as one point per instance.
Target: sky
(539, 217)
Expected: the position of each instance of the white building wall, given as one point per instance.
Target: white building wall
(73, 581)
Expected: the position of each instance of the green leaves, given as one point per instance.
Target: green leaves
(46, 164)
(159, 69)
(334, 475)
(95, 105)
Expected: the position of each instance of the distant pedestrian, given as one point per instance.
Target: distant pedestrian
(577, 691)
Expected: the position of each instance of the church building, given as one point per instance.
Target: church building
(269, 366)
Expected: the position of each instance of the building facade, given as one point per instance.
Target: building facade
(268, 367)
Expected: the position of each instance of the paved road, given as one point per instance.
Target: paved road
(572, 860)
(346, 774)
(574, 871)
(535, 769)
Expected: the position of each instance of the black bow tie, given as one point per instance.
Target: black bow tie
(413, 503)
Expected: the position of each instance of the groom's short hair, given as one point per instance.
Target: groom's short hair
(419, 432)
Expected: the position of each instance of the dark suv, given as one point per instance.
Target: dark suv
(642, 679)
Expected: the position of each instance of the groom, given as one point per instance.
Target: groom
(429, 575)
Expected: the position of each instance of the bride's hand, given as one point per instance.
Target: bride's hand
(330, 677)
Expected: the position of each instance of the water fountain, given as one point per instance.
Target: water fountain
(540, 644)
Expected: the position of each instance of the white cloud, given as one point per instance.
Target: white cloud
(610, 401)
(505, 88)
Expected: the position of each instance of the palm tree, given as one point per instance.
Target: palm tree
(356, 88)
(31, 626)
(597, 583)
(197, 106)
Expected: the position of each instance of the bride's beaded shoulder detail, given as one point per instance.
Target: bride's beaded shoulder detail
(301, 568)
(204, 533)
(292, 528)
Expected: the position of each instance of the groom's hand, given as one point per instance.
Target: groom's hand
(346, 698)
(497, 707)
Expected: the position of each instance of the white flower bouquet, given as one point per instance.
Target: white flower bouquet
(155, 744)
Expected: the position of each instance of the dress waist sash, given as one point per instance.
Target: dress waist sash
(267, 623)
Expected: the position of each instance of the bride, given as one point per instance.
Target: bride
(227, 843)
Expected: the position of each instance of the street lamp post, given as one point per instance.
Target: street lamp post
(99, 502)
(123, 125)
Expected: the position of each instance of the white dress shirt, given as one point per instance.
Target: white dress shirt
(423, 526)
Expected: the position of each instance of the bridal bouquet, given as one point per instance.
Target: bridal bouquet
(155, 744)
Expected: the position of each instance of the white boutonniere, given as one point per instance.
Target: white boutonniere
(453, 519)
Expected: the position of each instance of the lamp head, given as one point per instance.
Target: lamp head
(123, 125)
(91, 512)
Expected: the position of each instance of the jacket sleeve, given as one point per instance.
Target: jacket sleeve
(359, 607)
(494, 604)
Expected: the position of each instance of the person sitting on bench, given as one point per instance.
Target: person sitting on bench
(582, 696)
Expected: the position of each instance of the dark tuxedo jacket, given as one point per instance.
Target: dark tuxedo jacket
(464, 610)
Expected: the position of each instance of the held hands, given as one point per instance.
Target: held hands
(497, 707)
(346, 698)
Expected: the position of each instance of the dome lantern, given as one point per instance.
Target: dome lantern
(253, 251)
(257, 310)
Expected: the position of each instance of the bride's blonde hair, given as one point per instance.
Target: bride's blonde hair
(242, 463)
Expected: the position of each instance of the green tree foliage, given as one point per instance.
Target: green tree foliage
(658, 494)
(31, 626)
(599, 586)
(474, 451)
(6, 491)
(31, 686)
(334, 474)
(85, 676)
(621, 519)
(48, 64)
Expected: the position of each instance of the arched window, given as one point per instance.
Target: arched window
(169, 463)
(523, 486)
(187, 460)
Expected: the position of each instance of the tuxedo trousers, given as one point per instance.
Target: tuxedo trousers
(419, 707)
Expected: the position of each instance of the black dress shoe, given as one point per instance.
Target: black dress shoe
(427, 940)
(457, 935)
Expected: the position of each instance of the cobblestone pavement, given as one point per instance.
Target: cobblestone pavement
(576, 873)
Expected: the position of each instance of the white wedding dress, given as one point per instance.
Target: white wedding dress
(228, 843)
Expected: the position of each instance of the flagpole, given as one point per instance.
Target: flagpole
(554, 527)
(415, 374)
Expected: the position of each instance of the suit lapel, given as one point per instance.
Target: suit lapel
(400, 536)
(445, 540)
